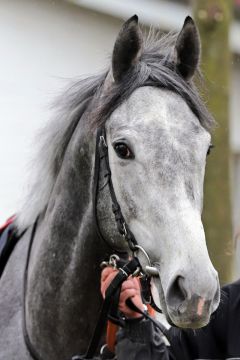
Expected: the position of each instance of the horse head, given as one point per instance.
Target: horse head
(158, 139)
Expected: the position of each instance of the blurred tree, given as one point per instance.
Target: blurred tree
(213, 19)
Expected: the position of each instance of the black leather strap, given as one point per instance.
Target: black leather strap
(102, 156)
(96, 187)
(8, 240)
(147, 293)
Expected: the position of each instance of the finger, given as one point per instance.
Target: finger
(129, 293)
(108, 277)
(129, 312)
(107, 281)
(126, 310)
(136, 299)
(137, 302)
(107, 271)
(131, 283)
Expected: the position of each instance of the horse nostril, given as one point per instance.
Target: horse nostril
(177, 294)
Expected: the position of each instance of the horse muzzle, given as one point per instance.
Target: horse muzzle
(187, 309)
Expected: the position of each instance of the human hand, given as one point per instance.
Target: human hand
(130, 289)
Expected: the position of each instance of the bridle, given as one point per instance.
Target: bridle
(127, 268)
(102, 162)
(132, 267)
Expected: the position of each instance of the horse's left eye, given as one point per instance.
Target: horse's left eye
(123, 151)
(211, 146)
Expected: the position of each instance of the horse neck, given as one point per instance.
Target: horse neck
(63, 297)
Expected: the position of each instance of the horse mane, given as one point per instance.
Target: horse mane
(155, 68)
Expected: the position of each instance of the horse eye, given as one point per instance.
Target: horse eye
(123, 151)
(211, 146)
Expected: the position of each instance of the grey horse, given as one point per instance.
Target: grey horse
(158, 136)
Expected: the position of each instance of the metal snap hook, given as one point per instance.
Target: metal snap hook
(113, 260)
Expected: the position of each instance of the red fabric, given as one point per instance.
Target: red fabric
(8, 222)
(111, 336)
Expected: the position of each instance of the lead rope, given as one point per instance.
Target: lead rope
(110, 304)
(115, 285)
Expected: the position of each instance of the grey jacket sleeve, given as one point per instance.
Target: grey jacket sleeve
(141, 341)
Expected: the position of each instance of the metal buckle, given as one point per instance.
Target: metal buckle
(102, 139)
(124, 230)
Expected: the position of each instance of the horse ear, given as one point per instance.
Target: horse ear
(187, 49)
(127, 48)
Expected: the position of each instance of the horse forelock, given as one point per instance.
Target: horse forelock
(155, 68)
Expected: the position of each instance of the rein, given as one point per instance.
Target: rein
(126, 268)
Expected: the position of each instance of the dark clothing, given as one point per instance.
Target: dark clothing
(220, 339)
